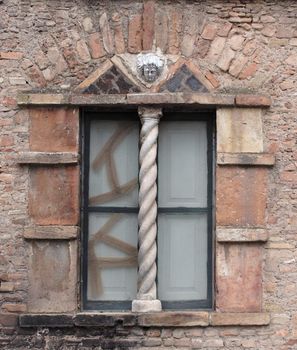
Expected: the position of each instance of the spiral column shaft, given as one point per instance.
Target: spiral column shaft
(147, 269)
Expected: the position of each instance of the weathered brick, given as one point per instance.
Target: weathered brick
(246, 202)
(83, 51)
(53, 196)
(148, 24)
(54, 129)
(119, 39)
(135, 34)
(95, 45)
(209, 31)
(175, 27)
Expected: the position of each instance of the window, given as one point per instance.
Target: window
(110, 209)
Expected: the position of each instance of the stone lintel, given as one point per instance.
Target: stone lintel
(51, 232)
(47, 158)
(263, 159)
(233, 235)
(174, 319)
(179, 98)
(239, 319)
(46, 320)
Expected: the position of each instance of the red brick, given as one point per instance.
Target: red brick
(241, 196)
(119, 39)
(225, 29)
(53, 195)
(175, 28)
(161, 31)
(6, 141)
(12, 55)
(95, 46)
(135, 34)
(15, 307)
(239, 277)
(36, 76)
(249, 71)
(148, 25)
(209, 31)
(54, 129)
(253, 100)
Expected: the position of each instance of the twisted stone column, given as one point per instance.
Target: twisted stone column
(147, 270)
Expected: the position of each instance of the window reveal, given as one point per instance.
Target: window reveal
(110, 217)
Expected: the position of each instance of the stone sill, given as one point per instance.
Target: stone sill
(250, 159)
(47, 158)
(179, 98)
(161, 319)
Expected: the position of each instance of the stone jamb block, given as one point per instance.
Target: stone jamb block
(233, 235)
(52, 277)
(54, 129)
(241, 196)
(54, 195)
(239, 130)
(239, 277)
(51, 232)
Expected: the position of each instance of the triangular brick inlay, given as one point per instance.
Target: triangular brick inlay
(183, 81)
(111, 82)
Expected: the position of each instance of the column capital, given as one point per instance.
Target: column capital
(149, 112)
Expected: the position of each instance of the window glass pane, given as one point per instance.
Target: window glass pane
(113, 177)
(182, 256)
(112, 256)
(182, 164)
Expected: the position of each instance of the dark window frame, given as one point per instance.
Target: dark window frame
(169, 115)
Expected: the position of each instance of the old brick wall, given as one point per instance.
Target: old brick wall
(241, 47)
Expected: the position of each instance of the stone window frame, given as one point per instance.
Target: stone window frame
(225, 236)
(147, 113)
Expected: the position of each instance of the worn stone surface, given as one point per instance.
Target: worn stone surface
(172, 319)
(239, 130)
(47, 158)
(239, 277)
(252, 159)
(53, 196)
(52, 276)
(244, 319)
(224, 234)
(241, 196)
(59, 125)
(51, 232)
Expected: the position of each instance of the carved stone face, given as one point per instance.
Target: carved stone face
(150, 72)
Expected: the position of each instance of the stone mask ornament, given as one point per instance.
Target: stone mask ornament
(149, 66)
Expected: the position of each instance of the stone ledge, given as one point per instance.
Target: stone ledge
(47, 158)
(157, 319)
(46, 320)
(239, 319)
(105, 319)
(179, 98)
(174, 319)
(252, 159)
(51, 232)
(244, 235)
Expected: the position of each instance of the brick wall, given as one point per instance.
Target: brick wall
(240, 47)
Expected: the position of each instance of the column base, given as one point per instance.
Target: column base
(139, 305)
